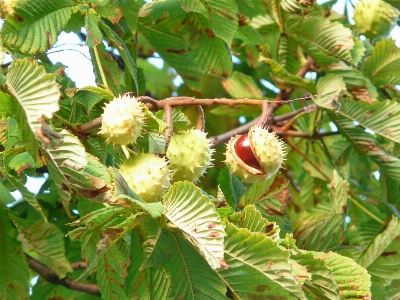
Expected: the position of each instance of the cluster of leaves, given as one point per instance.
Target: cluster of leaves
(327, 230)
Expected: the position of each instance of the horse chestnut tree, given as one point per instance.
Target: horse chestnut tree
(258, 159)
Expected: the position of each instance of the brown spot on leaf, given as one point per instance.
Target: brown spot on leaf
(64, 187)
(242, 20)
(223, 204)
(48, 39)
(211, 226)
(213, 234)
(114, 18)
(209, 32)
(261, 288)
(23, 168)
(384, 254)
(176, 51)
(223, 263)
(269, 228)
(18, 18)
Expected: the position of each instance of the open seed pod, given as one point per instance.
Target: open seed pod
(255, 156)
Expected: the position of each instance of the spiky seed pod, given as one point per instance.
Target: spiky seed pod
(123, 120)
(147, 175)
(255, 156)
(375, 18)
(189, 154)
(6, 8)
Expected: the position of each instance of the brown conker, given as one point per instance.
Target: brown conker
(244, 152)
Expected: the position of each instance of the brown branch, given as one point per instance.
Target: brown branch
(284, 94)
(89, 126)
(69, 283)
(147, 99)
(223, 138)
(201, 121)
(168, 131)
(262, 120)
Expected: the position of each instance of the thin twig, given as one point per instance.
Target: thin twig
(191, 101)
(168, 131)
(292, 114)
(327, 178)
(69, 283)
(201, 121)
(262, 121)
(147, 99)
(89, 126)
(223, 138)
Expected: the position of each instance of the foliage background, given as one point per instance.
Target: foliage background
(339, 220)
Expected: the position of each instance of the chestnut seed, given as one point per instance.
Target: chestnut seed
(244, 152)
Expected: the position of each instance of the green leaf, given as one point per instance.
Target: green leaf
(358, 85)
(87, 98)
(353, 280)
(240, 85)
(383, 64)
(123, 51)
(6, 109)
(157, 244)
(380, 243)
(36, 91)
(14, 275)
(5, 196)
(330, 85)
(284, 79)
(287, 54)
(251, 219)
(263, 267)
(321, 283)
(45, 243)
(325, 41)
(187, 41)
(187, 208)
(111, 271)
(26, 194)
(35, 25)
(110, 68)
(155, 209)
(110, 237)
(179, 119)
(231, 186)
(365, 142)
(223, 18)
(68, 159)
(94, 35)
(338, 193)
(20, 162)
(382, 117)
(271, 195)
(387, 264)
(317, 231)
(191, 277)
(137, 283)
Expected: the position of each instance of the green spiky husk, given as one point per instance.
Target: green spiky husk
(267, 148)
(375, 18)
(240, 171)
(189, 154)
(123, 120)
(147, 175)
